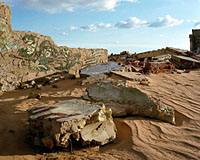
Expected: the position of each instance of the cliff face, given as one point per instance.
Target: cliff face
(25, 56)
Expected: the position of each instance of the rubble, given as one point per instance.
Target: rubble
(158, 67)
(124, 58)
(71, 121)
(129, 101)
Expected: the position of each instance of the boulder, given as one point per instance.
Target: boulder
(129, 101)
(71, 121)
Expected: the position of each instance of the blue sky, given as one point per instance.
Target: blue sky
(118, 25)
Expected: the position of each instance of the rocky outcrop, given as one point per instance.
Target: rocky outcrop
(129, 101)
(25, 56)
(71, 121)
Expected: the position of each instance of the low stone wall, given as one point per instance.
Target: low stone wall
(25, 56)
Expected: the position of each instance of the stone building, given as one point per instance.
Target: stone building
(195, 41)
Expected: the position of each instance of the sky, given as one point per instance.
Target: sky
(117, 25)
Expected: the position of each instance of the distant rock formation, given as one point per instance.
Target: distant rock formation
(25, 56)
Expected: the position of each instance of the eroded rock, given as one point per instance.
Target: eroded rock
(129, 101)
(71, 120)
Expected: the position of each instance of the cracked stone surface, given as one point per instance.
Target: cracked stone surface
(100, 68)
(129, 101)
(71, 120)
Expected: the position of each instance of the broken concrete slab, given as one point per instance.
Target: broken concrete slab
(133, 76)
(129, 101)
(100, 68)
(63, 123)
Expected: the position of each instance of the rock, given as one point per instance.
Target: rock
(54, 86)
(94, 78)
(48, 142)
(186, 71)
(39, 86)
(129, 101)
(60, 124)
(145, 83)
(34, 95)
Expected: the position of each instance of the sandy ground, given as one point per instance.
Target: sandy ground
(137, 137)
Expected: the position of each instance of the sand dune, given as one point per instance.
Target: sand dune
(138, 137)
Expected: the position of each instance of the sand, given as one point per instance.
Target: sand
(137, 137)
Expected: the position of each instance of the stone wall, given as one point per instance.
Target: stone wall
(25, 56)
(195, 41)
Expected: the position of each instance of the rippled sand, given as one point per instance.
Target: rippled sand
(138, 137)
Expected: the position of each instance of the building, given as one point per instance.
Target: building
(195, 41)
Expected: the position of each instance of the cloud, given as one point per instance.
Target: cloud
(74, 28)
(64, 33)
(131, 22)
(53, 6)
(91, 27)
(197, 25)
(103, 25)
(168, 21)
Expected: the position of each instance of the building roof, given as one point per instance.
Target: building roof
(186, 58)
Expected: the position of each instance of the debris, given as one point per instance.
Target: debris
(71, 120)
(124, 58)
(129, 101)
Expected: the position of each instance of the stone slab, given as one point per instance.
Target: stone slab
(71, 120)
(126, 101)
(100, 68)
(134, 76)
